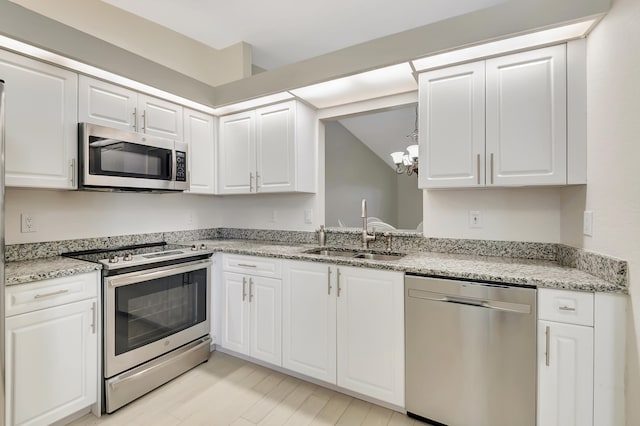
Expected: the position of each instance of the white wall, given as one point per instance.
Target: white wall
(409, 201)
(518, 214)
(613, 190)
(61, 215)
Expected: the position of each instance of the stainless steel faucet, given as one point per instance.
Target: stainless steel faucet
(366, 237)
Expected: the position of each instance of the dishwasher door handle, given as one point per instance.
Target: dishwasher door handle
(517, 308)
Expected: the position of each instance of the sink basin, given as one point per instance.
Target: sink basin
(329, 252)
(379, 256)
(355, 254)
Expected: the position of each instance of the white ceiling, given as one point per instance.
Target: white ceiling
(383, 132)
(287, 31)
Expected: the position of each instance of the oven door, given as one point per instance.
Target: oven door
(151, 312)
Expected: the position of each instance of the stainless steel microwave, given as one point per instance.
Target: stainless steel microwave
(116, 160)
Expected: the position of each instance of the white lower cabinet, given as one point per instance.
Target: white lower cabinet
(565, 375)
(345, 325)
(252, 316)
(51, 353)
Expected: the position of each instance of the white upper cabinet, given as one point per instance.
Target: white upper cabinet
(236, 157)
(452, 127)
(500, 122)
(270, 149)
(527, 118)
(110, 105)
(199, 133)
(41, 123)
(160, 118)
(107, 104)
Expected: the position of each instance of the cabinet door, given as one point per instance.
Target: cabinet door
(235, 313)
(527, 118)
(275, 148)
(565, 382)
(41, 132)
(53, 359)
(160, 118)
(309, 320)
(371, 332)
(265, 300)
(236, 159)
(199, 134)
(106, 104)
(452, 127)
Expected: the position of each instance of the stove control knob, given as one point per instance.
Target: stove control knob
(194, 248)
(127, 257)
(113, 259)
(203, 246)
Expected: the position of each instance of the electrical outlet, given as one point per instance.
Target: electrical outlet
(189, 218)
(587, 223)
(474, 219)
(274, 216)
(308, 216)
(27, 223)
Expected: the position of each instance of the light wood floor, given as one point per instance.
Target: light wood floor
(230, 391)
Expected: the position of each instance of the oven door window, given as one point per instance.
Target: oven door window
(109, 157)
(152, 310)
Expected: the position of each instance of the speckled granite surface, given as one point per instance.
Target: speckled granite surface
(541, 264)
(539, 273)
(41, 269)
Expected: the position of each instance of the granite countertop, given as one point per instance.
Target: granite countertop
(42, 269)
(539, 273)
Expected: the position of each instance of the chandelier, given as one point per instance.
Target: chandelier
(408, 162)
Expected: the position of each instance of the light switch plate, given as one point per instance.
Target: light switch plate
(308, 216)
(587, 223)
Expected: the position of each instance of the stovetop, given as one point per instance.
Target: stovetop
(141, 254)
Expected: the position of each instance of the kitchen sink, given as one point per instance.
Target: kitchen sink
(355, 254)
(329, 252)
(379, 256)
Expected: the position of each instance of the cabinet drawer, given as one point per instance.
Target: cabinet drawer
(252, 265)
(47, 293)
(572, 307)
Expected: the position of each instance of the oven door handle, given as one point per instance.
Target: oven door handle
(148, 275)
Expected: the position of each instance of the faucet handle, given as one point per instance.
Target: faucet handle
(389, 238)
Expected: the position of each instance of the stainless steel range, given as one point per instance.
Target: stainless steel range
(156, 316)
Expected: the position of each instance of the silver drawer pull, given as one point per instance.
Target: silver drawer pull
(55, 293)
(246, 265)
(566, 308)
(547, 351)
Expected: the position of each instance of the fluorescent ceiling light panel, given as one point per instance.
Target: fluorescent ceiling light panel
(253, 103)
(367, 85)
(527, 41)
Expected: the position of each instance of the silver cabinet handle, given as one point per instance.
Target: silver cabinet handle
(135, 118)
(338, 280)
(250, 289)
(244, 289)
(478, 166)
(491, 163)
(93, 317)
(247, 265)
(547, 349)
(53, 293)
(329, 280)
(250, 182)
(72, 166)
(566, 308)
(144, 119)
(257, 183)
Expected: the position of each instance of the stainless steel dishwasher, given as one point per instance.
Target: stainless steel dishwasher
(470, 352)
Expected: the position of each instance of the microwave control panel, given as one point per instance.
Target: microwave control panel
(181, 168)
